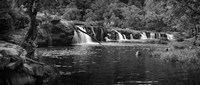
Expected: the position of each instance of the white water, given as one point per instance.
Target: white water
(169, 36)
(81, 38)
(124, 36)
(159, 35)
(131, 35)
(143, 35)
(120, 37)
(152, 35)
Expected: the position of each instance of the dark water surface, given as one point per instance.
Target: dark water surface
(114, 64)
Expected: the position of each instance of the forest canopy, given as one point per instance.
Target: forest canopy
(154, 15)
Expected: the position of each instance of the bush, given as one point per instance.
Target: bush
(182, 45)
(182, 55)
(177, 45)
(178, 36)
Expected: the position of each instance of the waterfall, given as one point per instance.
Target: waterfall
(152, 35)
(124, 36)
(131, 35)
(169, 36)
(143, 35)
(120, 37)
(80, 37)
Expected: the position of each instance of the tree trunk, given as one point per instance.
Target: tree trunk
(32, 12)
(32, 29)
(195, 34)
(50, 40)
(29, 43)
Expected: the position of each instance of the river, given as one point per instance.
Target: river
(114, 64)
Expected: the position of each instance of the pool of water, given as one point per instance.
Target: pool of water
(115, 64)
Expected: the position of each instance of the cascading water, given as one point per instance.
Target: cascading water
(131, 35)
(143, 35)
(120, 37)
(81, 38)
(152, 35)
(169, 36)
(124, 36)
(159, 35)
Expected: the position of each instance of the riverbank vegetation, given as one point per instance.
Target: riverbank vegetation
(177, 17)
(179, 52)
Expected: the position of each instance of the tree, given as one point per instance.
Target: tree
(72, 14)
(138, 3)
(186, 11)
(133, 17)
(33, 7)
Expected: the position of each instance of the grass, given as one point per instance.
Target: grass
(179, 52)
(181, 56)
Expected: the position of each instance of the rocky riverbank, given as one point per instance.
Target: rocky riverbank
(17, 69)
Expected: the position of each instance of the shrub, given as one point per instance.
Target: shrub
(182, 45)
(178, 36)
(181, 56)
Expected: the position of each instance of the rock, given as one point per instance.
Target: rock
(57, 33)
(38, 70)
(137, 54)
(11, 77)
(3, 62)
(55, 21)
(167, 49)
(17, 69)
(13, 55)
(22, 77)
(9, 51)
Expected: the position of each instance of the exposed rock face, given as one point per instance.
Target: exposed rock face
(97, 32)
(56, 33)
(17, 69)
(112, 34)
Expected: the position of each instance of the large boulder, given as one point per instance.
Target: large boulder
(97, 32)
(56, 33)
(17, 69)
(11, 55)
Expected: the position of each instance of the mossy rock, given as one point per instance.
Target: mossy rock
(14, 54)
(17, 69)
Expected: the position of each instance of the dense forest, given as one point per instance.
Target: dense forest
(153, 15)
(158, 15)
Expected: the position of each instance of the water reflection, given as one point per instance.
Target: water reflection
(117, 65)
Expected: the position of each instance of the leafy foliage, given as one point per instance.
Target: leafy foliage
(153, 15)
